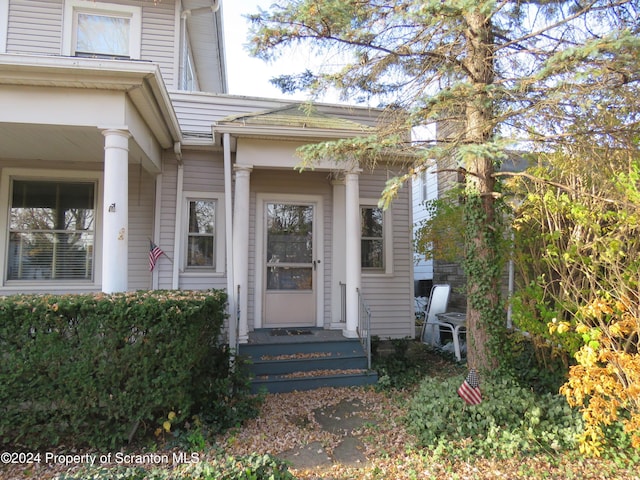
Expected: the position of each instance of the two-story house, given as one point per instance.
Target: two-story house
(116, 130)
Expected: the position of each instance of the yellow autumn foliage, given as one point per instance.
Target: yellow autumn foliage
(605, 384)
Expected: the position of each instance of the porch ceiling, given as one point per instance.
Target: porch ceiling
(56, 109)
(58, 143)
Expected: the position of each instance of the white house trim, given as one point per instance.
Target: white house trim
(228, 217)
(177, 233)
(387, 225)
(4, 24)
(72, 7)
(219, 235)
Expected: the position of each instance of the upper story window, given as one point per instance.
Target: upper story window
(51, 230)
(104, 30)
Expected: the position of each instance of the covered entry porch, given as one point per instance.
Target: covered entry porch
(295, 240)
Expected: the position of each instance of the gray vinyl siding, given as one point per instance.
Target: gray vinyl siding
(36, 27)
(165, 240)
(202, 172)
(197, 111)
(158, 37)
(141, 206)
(389, 296)
(42, 37)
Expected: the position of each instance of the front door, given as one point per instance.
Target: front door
(290, 269)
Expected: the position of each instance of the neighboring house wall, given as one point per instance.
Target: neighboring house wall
(424, 188)
(450, 272)
(46, 36)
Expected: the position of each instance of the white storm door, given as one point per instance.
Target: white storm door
(290, 266)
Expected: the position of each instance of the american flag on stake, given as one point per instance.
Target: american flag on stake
(155, 252)
(469, 391)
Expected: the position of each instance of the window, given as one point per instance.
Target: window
(423, 184)
(101, 30)
(51, 230)
(201, 236)
(372, 238)
(102, 35)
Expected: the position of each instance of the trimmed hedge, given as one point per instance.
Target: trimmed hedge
(98, 369)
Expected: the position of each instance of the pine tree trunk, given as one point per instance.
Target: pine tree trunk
(480, 182)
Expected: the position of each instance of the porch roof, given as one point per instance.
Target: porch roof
(298, 121)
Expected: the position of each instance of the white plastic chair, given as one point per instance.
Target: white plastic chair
(438, 303)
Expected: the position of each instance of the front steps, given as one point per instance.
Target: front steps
(305, 360)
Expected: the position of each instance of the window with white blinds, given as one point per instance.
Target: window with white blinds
(51, 230)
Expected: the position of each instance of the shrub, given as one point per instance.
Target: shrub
(98, 369)
(510, 420)
(250, 467)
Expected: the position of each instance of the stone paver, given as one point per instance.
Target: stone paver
(343, 419)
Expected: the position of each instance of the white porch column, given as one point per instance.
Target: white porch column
(115, 213)
(338, 317)
(241, 246)
(352, 250)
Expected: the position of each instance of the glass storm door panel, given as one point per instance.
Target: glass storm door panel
(290, 268)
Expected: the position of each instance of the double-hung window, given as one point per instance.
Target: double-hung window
(51, 230)
(372, 247)
(103, 30)
(201, 234)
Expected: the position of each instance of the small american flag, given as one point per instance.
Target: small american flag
(469, 391)
(155, 252)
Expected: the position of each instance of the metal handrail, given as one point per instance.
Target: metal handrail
(364, 326)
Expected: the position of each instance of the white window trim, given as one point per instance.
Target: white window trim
(219, 240)
(4, 25)
(71, 7)
(387, 240)
(9, 174)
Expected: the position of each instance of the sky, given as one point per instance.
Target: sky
(250, 76)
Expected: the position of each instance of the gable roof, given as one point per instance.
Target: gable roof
(297, 120)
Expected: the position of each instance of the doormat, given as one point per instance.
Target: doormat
(283, 332)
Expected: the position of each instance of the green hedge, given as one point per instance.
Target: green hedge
(100, 369)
